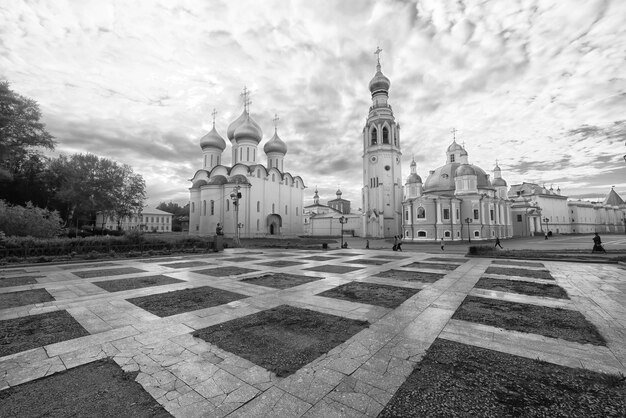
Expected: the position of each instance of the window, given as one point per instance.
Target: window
(273, 177)
(421, 234)
(406, 215)
(193, 207)
(374, 137)
(204, 208)
(446, 214)
(258, 206)
(458, 215)
(273, 208)
(446, 234)
(248, 153)
(258, 223)
(286, 211)
(491, 214)
(451, 158)
(385, 135)
(519, 218)
(476, 234)
(227, 205)
(212, 207)
(421, 213)
(475, 213)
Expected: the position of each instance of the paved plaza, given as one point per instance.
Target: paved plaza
(191, 377)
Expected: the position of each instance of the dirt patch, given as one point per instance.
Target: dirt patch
(433, 266)
(18, 280)
(410, 276)
(517, 263)
(86, 266)
(319, 258)
(524, 288)
(280, 263)
(447, 260)
(185, 264)
(455, 379)
(186, 300)
(224, 271)
(21, 334)
(280, 280)
(371, 294)
(508, 271)
(334, 269)
(25, 297)
(135, 283)
(98, 389)
(369, 262)
(282, 339)
(550, 322)
(88, 274)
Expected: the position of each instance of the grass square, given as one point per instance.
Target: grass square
(136, 283)
(346, 254)
(280, 263)
(447, 260)
(389, 257)
(334, 269)
(319, 258)
(88, 274)
(508, 271)
(282, 339)
(97, 389)
(369, 262)
(86, 266)
(224, 271)
(280, 280)
(410, 276)
(550, 322)
(517, 263)
(25, 333)
(186, 300)
(185, 264)
(371, 294)
(455, 379)
(240, 259)
(432, 266)
(25, 297)
(18, 280)
(525, 288)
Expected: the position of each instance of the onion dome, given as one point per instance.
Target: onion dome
(465, 170)
(455, 147)
(498, 182)
(413, 178)
(230, 132)
(338, 193)
(379, 83)
(213, 140)
(275, 145)
(248, 129)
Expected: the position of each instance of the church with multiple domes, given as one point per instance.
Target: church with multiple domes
(247, 197)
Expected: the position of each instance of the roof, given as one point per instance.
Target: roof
(154, 211)
(613, 199)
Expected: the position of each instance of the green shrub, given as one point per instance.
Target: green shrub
(29, 220)
(481, 249)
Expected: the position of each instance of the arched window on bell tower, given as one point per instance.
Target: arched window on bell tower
(374, 136)
(385, 135)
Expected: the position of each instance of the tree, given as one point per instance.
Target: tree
(22, 137)
(84, 184)
(28, 221)
(178, 211)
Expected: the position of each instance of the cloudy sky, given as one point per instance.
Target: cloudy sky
(538, 85)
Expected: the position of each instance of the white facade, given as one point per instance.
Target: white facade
(150, 220)
(382, 170)
(322, 220)
(267, 200)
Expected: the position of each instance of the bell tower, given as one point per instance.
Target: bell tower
(382, 170)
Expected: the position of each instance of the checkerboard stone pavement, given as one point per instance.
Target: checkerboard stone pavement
(191, 377)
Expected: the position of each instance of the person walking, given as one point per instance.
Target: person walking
(367, 244)
(497, 243)
(597, 244)
(395, 243)
(442, 244)
(399, 244)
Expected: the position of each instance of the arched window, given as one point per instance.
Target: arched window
(374, 136)
(193, 207)
(273, 208)
(227, 205)
(421, 213)
(258, 223)
(446, 234)
(286, 211)
(385, 135)
(421, 234)
(204, 208)
(258, 206)
(273, 177)
(476, 234)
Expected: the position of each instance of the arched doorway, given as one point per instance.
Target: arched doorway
(274, 222)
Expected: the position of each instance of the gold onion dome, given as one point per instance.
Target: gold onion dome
(248, 129)
(380, 83)
(456, 147)
(414, 178)
(230, 132)
(213, 140)
(275, 145)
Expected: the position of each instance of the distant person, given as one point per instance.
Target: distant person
(597, 244)
(219, 230)
(497, 243)
(442, 244)
(399, 244)
(345, 244)
(395, 243)
(546, 235)
(367, 244)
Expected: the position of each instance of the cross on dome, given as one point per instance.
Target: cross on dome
(454, 131)
(246, 99)
(214, 113)
(276, 119)
(377, 53)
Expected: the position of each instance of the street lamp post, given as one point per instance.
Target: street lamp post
(468, 221)
(342, 221)
(235, 196)
(547, 221)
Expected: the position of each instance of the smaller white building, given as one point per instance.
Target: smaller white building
(150, 220)
(323, 220)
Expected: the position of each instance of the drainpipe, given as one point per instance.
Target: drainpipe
(436, 218)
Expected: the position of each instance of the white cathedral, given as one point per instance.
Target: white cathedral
(258, 200)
